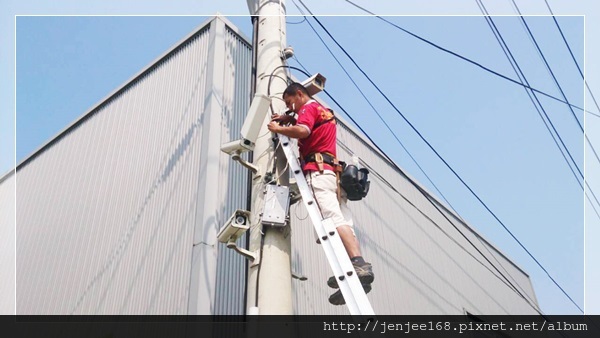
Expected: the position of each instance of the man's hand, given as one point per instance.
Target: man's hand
(283, 119)
(274, 126)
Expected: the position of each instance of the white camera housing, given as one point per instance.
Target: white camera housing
(233, 147)
(251, 127)
(235, 226)
(254, 120)
(314, 84)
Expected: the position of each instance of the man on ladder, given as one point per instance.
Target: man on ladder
(316, 131)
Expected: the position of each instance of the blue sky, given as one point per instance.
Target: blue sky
(484, 126)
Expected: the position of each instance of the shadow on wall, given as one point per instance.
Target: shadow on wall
(174, 159)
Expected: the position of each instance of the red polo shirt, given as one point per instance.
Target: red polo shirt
(321, 139)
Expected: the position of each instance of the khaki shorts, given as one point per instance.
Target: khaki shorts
(324, 187)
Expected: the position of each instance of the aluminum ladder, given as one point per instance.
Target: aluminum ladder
(352, 290)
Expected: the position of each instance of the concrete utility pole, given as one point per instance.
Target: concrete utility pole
(272, 277)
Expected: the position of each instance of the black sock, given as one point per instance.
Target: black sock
(358, 259)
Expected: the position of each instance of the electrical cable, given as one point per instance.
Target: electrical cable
(503, 43)
(593, 150)
(295, 23)
(375, 110)
(439, 156)
(558, 85)
(532, 96)
(589, 90)
(571, 52)
(550, 71)
(593, 114)
(592, 204)
(460, 56)
(296, 213)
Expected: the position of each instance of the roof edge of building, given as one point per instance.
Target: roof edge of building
(120, 89)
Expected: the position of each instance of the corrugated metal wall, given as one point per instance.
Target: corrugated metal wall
(7, 244)
(231, 271)
(420, 267)
(119, 215)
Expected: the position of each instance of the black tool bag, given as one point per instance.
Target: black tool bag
(355, 182)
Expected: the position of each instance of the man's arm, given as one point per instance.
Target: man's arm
(296, 131)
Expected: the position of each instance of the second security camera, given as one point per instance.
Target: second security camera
(235, 226)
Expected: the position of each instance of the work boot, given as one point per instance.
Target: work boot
(338, 299)
(364, 273)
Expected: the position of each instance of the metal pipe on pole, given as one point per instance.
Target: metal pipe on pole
(269, 281)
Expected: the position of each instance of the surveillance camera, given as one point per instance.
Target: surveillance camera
(314, 84)
(254, 120)
(235, 226)
(233, 146)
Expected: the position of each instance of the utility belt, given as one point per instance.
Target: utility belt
(354, 181)
(327, 158)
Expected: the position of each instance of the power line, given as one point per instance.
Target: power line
(537, 46)
(296, 23)
(439, 156)
(462, 57)
(556, 81)
(592, 204)
(373, 107)
(512, 59)
(532, 96)
(572, 55)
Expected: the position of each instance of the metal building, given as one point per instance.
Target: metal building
(7, 244)
(118, 214)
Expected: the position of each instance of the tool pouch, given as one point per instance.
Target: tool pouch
(355, 182)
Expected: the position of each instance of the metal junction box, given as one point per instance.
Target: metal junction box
(277, 201)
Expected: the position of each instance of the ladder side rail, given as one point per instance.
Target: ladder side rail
(350, 286)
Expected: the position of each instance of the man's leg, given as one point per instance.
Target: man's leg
(324, 190)
(349, 240)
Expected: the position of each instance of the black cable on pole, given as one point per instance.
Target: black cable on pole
(444, 161)
(462, 57)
